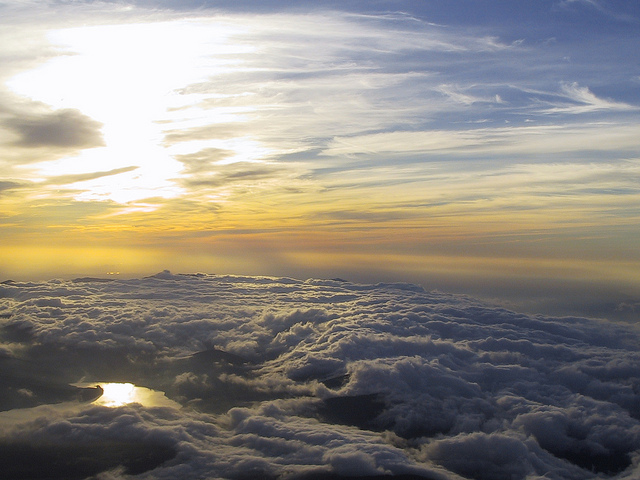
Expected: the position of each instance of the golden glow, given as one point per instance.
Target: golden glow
(120, 394)
(26, 261)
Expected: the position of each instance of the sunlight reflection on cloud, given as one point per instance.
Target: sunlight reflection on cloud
(119, 394)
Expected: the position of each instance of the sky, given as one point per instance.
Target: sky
(238, 377)
(483, 147)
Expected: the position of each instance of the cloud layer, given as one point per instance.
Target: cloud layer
(282, 378)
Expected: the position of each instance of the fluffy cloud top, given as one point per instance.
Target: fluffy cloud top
(281, 378)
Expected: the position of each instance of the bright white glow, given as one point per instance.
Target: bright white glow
(131, 79)
(119, 394)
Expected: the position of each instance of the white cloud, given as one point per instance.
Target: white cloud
(583, 100)
(459, 95)
(517, 140)
(278, 375)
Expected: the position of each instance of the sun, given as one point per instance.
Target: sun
(117, 394)
(129, 78)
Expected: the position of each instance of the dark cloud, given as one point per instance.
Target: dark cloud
(65, 128)
(32, 131)
(6, 185)
(316, 379)
(202, 169)
(204, 160)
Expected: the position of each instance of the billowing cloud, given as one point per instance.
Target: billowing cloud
(282, 378)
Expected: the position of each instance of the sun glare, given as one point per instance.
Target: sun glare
(117, 394)
(131, 78)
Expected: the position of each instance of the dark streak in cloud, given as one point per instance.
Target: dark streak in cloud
(203, 161)
(82, 177)
(6, 185)
(202, 170)
(61, 459)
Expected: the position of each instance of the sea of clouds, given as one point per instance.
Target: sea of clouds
(279, 378)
